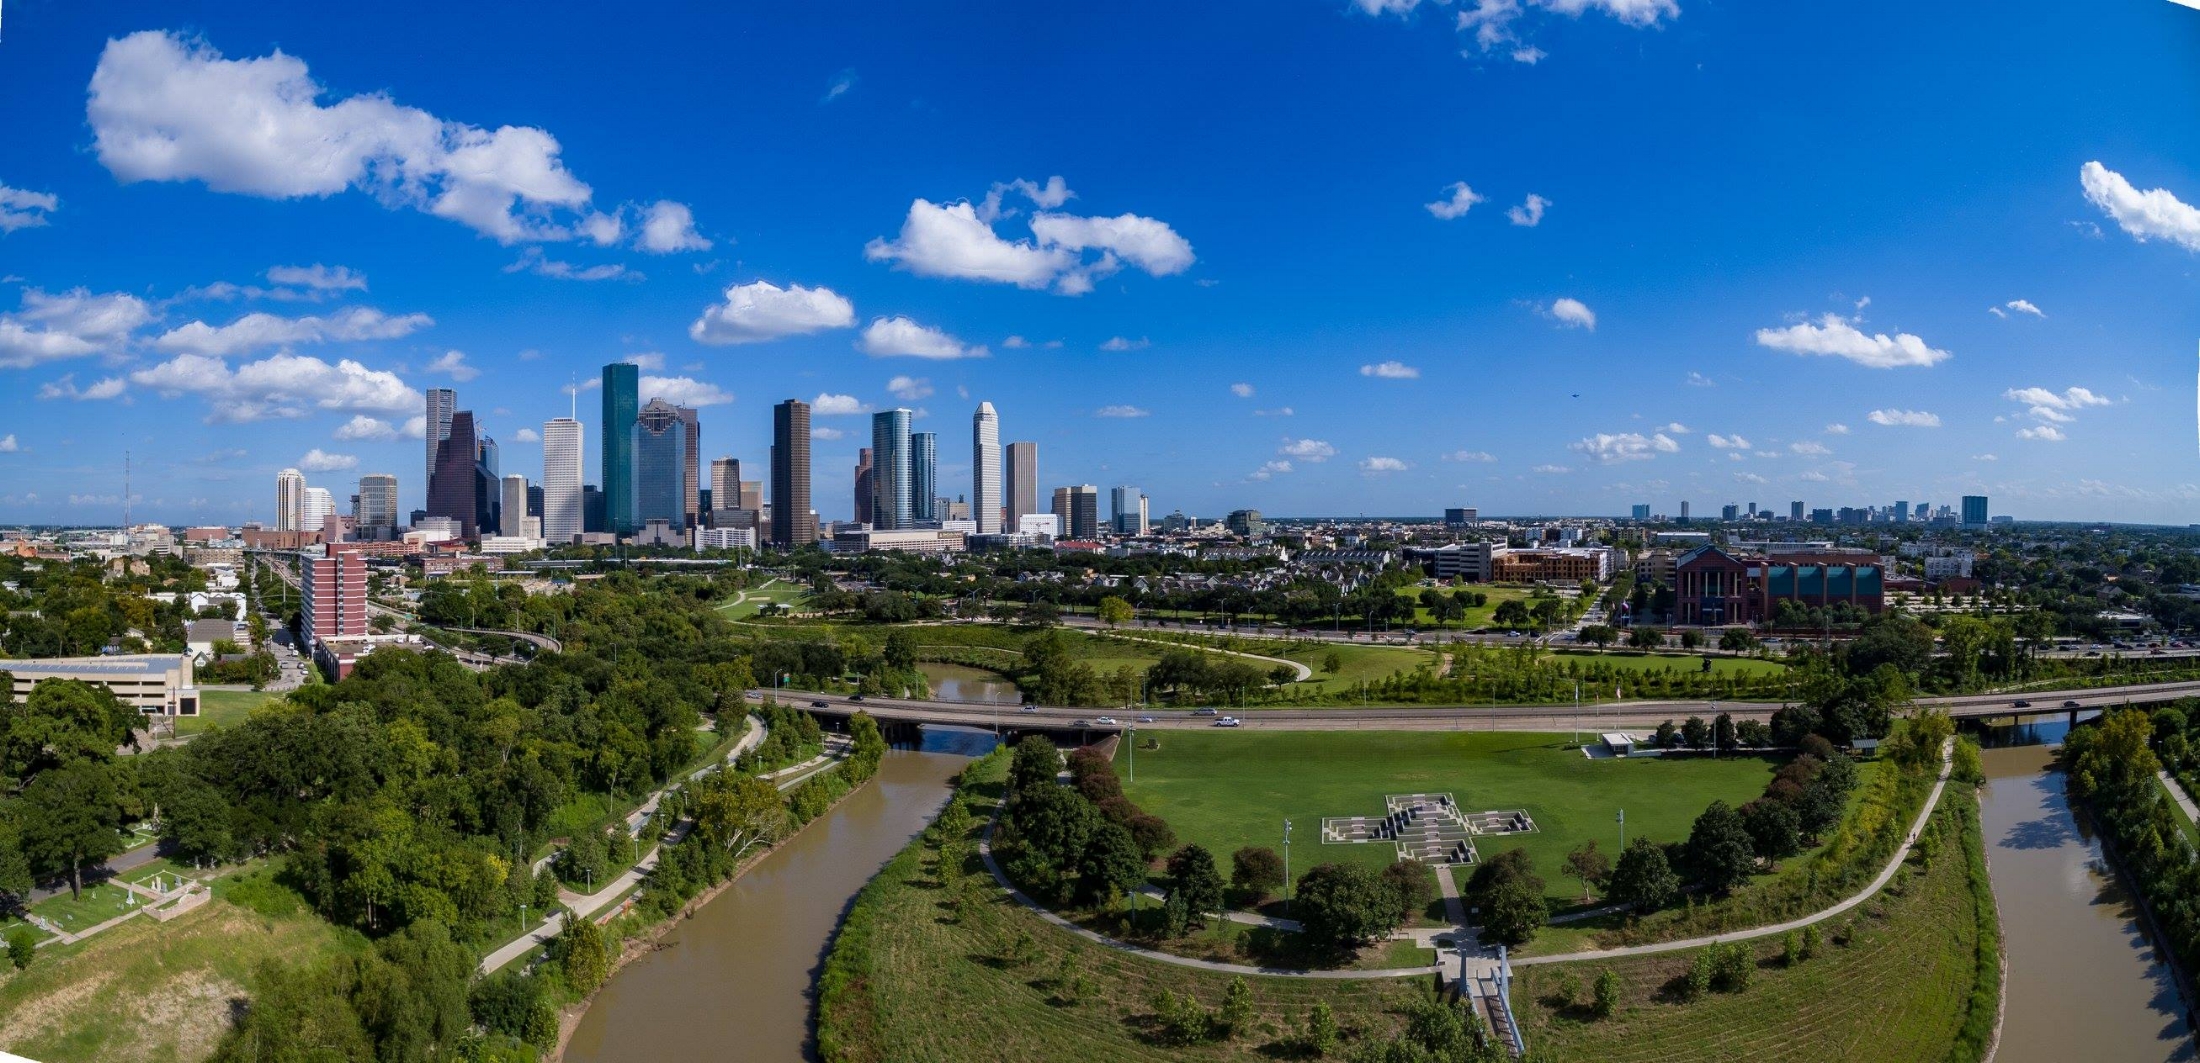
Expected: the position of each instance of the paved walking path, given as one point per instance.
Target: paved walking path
(1302, 672)
(2184, 800)
(1454, 908)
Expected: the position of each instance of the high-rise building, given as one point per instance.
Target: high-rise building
(1128, 506)
(752, 495)
(658, 448)
(442, 403)
(1020, 482)
(290, 500)
(1246, 522)
(512, 505)
(1795, 510)
(864, 512)
(563, 511)
(595, 511)
(1078, 509)
(725, 483)
(1684, 511)
(891, 503)
(924, 477)
(1641, 511)
(794, 524)
(1730, 512)
(315, 509)
(378, 506)
(1974, 510)
(332, 597)
(1462, 517)
(451, 487)
(621, 404)
(691, 465)
(1902, 512)
(985, 470)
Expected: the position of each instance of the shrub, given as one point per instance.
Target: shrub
(1607, 993)
(22, 947)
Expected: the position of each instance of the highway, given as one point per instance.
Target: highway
(1619, 715)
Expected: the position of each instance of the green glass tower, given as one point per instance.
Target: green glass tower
(621, 402)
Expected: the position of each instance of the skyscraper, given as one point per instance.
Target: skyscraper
(621, 402)
(1974, 510)
(864, 510)
(1022, 481)
(378, 506)
(562, 514)
(1795, 510)
(1129, 506)
(659, 451)
(924, 476)
(985, 469)
(512, 505)
(793, 523)
(315, 510)
(691, 465)
(332, 597)
(1078, 509)
(290, 500)
(725, 483)
(1902, 512)
(890, 499)
(1640, 511)
(442, 403)
(451, 487)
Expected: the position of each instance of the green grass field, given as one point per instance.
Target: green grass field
(223, 708)
(1361, 664)
(1898, 990)
(745, 606)
(2184, 822)
(1226, 790)
(97, 905)
(1478, 616)
(1686, 662)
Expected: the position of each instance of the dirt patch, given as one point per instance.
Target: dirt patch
(51, 1010)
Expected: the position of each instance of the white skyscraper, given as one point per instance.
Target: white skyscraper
(315, 509)
(985, 469)
(512, 505)
(290, 500)
(378, 506)
(561, 480)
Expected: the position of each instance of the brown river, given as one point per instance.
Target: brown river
(735, 981)
(2084, 983)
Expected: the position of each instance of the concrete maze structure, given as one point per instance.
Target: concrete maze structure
(1429, 828)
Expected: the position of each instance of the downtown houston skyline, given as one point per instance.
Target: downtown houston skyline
(1356, 256)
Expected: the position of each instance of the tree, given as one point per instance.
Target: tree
(580, 954)
(1775, 831)
(1722, 731)
(1719, 848)
(1340, 906)
(1513, 912)
(737, 812)
(1646, 638)
(1036, 762)
(1332, 662)
(1667, 736)
(1696, 733)
(1511, 612)
(1236, 1014)
(1192, 874)
(1321, 1029)
(1115, 612)
(1588, 866)
(1643, 880)
(1737, 640)
(22, 947)
(1256, 871)
(63, 721)
(1607, 994)
(72, 818)
(1111, 864)
(1691, 639)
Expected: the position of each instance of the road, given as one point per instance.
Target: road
(1618, 715)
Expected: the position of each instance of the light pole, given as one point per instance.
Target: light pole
(1623, 830)
(1133, 732)
(1286, 867)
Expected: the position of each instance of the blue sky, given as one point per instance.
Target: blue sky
(1844, 255)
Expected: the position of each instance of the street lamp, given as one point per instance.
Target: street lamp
(1286, 867)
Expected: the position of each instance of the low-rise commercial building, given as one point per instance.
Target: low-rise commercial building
(1714, 587)
(157, 684)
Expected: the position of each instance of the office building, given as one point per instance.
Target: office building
(512, 505)
(1795, 511)
(442, 403)
(1128, 506)
(794, 524)
(451, 485)
(863, 512)
(891, 504)
(752, 495)
(1684, 512)
(332, 596)
(1246, 522)
(924, 476)
(1714, 587)
(290, 500)
(1730, 512)
(985, 471)
(691, 464)
(621, 404)
(658, 448)
(595, 511)
(1462, 517)
(1078, 509)
(315, 509)
(564, 511)
(1020, 481)
(1640, 511)
(1974, 511)
(725, 483)
(377, 510)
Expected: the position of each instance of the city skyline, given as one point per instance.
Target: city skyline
(1992, 298)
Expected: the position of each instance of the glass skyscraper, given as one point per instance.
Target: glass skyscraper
(924, 476)
(621, 402)
(793, 523)
(658, 446)
(891, 505)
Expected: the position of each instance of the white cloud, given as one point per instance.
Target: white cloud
(1698, 380)
(20, 209)
(957, 240)
(684, 391)
(909, 388)
(1243, 391)
(827, 404)
(1814, 476)
(1400, 8)
(2022, 306)
(753, 313)
(415, 427)
(645, 360)
(283, 386)
(452, 363)
(1120, 411)
(1904, 418)
(318, 460)
(1809, 449)
(1460, 199)
(1572, 313)
(65, 388)
(820, 431)
(318, 277)
(2154, 214)
(1483, 456)
(843, 83)
(1749, 478)
(362, 426)
(1530, 212)
(526, 435)
(1491, 21)
(532, 260)
(1266, 471)
(2067, 399)
(1015, 343)
(1376, 465)
(166, 108)
(1391, 370)
(1307, 450)
(1530, 55)
(1726, 442)
(1551, 470)
(256, 330)
(2045, 433)
(68, 325)
(1984, 457)
(1118, 343)
(887, 337)
(1280, 411)
(8, 445)
(1676, 428)
(1837, 336)
(1610, 448)
(1837, 429)
(668, 227)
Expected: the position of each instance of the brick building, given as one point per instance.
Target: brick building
(1713, 587)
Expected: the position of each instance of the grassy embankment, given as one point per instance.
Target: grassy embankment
(223, 708)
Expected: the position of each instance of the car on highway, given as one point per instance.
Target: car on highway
(1029, 708)
(1206, 712)
(1229, 721)
(1105, 721)
(1145, 719)
(855, 697)
(2071, 703)
(2020, 703)
(819, 705)
(1080, 723)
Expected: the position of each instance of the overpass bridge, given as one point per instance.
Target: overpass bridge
(1619, 715)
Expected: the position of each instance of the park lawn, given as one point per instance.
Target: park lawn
(1899, 990)
(98, 904)
(1478, 616)
(1360, 664)
(1721, 664)
(147, 992)
(223, 708)
(773, 590)
(1225, 791)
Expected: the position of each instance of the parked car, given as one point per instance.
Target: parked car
(1228, 721)
(1206, 712)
